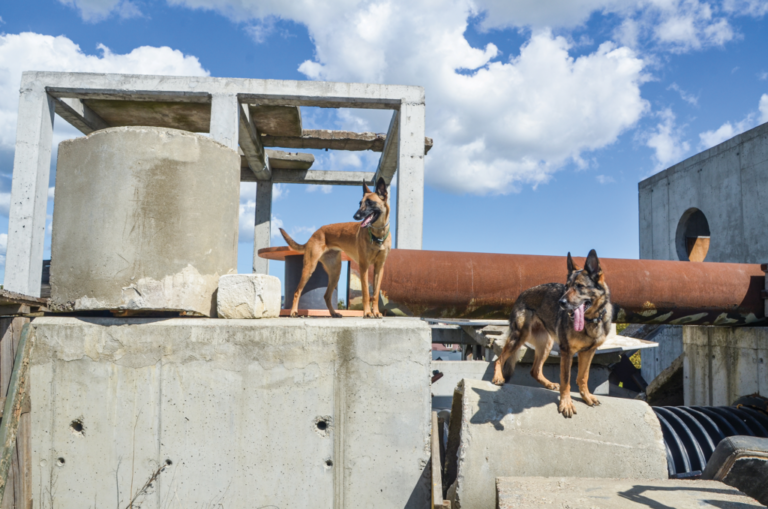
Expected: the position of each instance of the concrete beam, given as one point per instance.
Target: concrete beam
(79, 115)
(29, 190)
(388, 159)
(250, 142)
(276, 120)
(186, 88)
(319, 177)
(410, 176)
(128, 95)
(290, 160)
(335, 140)
(262, 226)
(225, 121)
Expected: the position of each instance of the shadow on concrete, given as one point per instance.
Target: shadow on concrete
(636, 495)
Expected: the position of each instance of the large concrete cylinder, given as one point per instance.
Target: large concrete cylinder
(145, 219)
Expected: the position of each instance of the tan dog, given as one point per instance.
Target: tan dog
(367, 243)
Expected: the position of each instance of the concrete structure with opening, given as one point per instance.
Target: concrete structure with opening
(710, 207)
(243, 114)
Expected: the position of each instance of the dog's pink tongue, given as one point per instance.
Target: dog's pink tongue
(578, 318)
(367, 221)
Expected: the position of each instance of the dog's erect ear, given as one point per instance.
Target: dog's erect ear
(593, 264)
(381, 189)
(365, 189)
(572, 266)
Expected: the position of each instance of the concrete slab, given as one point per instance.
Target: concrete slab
(276, 120)
(279, 159)
(248, 296)
(251, 413)
(741, 462)
(537, 492)
(455, 371)
(145, 219)
(194, 117)
(516, 431)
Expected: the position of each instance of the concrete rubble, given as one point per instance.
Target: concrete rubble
(516, 431)
(248, 296)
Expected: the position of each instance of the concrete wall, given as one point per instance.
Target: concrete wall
(727, 183)
(722, 364)
(281, 413)
(655, 360)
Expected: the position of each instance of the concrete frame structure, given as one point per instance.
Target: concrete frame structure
(43, 94)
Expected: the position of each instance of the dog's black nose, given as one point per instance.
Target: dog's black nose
(563, 303)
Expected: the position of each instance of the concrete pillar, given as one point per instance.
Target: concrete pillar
(410, 177)
(225, 119)
(29, 191)
(263, 225)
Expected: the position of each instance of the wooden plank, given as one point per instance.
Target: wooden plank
(250, 143)
(14, 309)
(7, 297)
(437, 469)
(14, 406)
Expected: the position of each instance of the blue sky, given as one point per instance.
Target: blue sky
(545, 115)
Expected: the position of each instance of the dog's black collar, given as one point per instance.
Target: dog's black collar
(378, 240)
(598, 319)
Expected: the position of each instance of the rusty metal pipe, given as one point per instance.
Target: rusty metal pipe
(482, 285)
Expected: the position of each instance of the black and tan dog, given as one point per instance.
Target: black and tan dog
(367, 243)
(578, 314)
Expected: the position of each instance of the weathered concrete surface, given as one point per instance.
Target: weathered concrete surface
(195, 117)
(271, 413)
(516, 431)
(276, 120)
(145, 218)
(741, 462)
(455, 371)
(536, 492)
(290, 160)
(727, 183)
(248, 296)
(721, 364)
(654, 361)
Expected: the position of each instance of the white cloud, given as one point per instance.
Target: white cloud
(728, 130)
(323, 189)
(247, 210)
(5, 203)
(98, 10)
(3, 247)
(689, 98)
(754, 8)
(666, 140)
(762, 76)
(605, 179)
(30, 51)
(275, 224)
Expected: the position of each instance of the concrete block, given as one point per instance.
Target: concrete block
(248, 296)
(271, 413)
(538, 492)
(517, 431)
(146, 218)
(455, 371)
(722, 364)
(741, 462)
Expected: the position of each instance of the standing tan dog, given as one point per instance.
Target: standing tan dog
(367, 243)
(578, 314)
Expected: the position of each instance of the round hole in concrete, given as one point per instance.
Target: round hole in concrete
(77, 427)
(168, 462)
(60, 462)
(322, 425)
(328, 463)
(692, 236)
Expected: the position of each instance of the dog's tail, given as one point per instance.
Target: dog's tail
(514, 342)
(292, 243)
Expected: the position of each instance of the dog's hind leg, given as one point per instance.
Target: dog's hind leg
(378, 275)
(310, 262)
(515, 341)
(543, 343)
(331, 261)
(585, 360)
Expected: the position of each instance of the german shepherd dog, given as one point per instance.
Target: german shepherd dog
(578, 314)
(367, 243)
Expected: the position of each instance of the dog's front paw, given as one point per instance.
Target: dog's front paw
(590, 400)
(376, 314)
(566, 407)
(554, 387)
(336, 315)
(498, 380)
(294, 313)
(368, 314)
